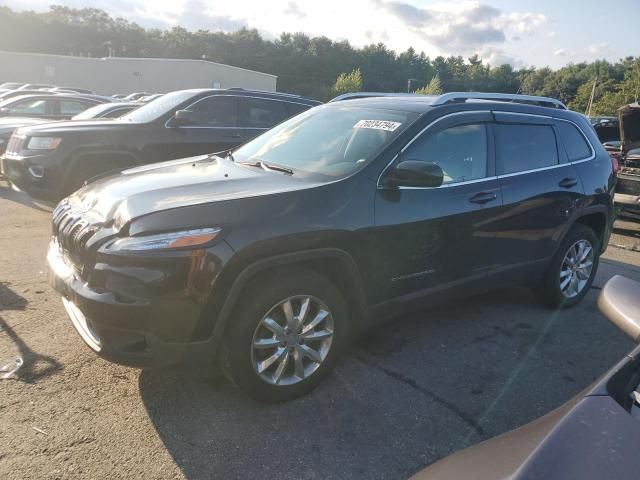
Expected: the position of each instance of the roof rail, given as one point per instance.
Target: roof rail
(357, 95)
(500, 97)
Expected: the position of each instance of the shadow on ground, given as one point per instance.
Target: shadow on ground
(406, 394)
(7, 193)
(31, 366)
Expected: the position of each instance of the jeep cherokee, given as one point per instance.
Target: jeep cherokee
(267, 260)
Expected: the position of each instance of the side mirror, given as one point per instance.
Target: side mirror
(414, 173)
(619, 302)
(184, 117)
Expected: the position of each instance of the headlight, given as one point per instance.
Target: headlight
(163, 241)
(43, 143)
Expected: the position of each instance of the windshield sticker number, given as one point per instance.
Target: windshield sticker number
(378, 125)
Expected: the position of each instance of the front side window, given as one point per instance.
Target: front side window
(574, 143)
(261, 113)
(460, 151)
(217, 111)
(524, 147)
(28, 107)
(333, 141)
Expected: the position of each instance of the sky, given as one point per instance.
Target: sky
(519, 32)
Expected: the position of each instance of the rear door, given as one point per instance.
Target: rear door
(427, 239)
(540, 189)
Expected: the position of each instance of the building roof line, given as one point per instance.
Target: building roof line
(102, 59)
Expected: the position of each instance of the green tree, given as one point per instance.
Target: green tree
(348, 82)
(434, 87)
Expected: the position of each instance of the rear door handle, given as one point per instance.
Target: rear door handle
(483, 197)
(568, 182)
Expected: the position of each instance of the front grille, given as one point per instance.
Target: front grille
(15, 144)
(73, 231)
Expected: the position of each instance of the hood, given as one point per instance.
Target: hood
(629, 117)
(178, 183)
(11, 123)
(77, 125)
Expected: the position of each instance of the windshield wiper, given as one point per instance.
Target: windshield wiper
(230, 156)
(268, 166)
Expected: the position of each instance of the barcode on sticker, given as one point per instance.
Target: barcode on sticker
(378, 125)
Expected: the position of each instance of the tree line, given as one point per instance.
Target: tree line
(317, 67)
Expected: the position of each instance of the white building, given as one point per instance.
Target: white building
(125, 75)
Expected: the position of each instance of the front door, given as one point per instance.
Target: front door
(427, 239)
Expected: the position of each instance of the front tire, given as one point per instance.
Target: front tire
(572, 270)
(288, 330)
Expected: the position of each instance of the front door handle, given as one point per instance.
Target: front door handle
(483, 197)
(568, 182)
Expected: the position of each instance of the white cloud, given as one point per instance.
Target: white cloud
(559, 53)
(465, 28)
(294, 10)
(599, 49)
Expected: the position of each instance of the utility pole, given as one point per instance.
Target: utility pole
(593, 94)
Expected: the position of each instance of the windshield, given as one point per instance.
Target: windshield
(158, 107)
(328, 140)
(93, 112)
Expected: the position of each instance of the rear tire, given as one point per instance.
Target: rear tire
(288, 330)
(572, 269)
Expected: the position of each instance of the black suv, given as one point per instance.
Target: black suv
(53, 160)
(267, 260)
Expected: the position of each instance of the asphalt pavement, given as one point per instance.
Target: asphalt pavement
(406, 394)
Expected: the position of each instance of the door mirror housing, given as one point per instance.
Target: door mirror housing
(618, 301)
(414, 173)
(184, 117)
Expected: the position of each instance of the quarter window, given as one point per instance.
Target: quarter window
(460, 151)
(261, 113)
(217, 111)
(574, 143)
(525, 147)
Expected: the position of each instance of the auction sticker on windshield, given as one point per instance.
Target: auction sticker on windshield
(378, 125)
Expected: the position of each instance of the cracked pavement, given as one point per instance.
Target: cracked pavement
(406, 394)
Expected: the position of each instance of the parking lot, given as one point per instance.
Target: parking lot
(415, 390)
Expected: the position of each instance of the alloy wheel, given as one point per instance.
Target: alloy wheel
(576, 268)
(292, 340)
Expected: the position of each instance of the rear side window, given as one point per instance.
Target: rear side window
(261, 113)
(525, 147)
(72, 107)
(574, 143)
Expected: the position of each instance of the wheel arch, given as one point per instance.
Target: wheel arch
(596, 218)
(80, 160)
(337, 265)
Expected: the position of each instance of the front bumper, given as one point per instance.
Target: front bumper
(122, 331)
(30, 176)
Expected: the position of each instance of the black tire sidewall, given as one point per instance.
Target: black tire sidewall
(259, 297)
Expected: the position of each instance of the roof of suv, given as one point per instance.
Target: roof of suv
(246, 92)
(422, 103)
